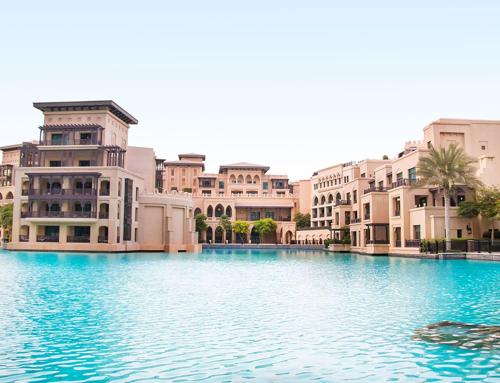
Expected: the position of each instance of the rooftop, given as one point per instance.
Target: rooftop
(191, 155)
(243, 165)
(110, 105)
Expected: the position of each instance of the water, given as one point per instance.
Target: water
(240, 316)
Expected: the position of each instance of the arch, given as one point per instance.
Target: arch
(229, 236)
(248, 179)
(288, 237)
(256, 179)
(254, 236)
(232, 179)
(209, 234)
(24, 233)
(316, 201)
(103, 234)
(197, 211)
(104, 210)
(104, 187)
(320, 241)
(210, 211)
(1, 196)
(9, 195)
(219, 210)
(323, 199)
(240, 179)
(330, 198)
(219, 234)
(229, 211)
(338, 197)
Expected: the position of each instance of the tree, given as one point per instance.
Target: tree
(6, 219)
(468, 209)
(225, 222)
(385, 157)
(488, 200)
(446, 168)
(302, 220)
(200, 223)
(241, 228)
(264, 227)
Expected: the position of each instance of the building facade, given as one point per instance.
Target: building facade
(375, 202)
(239, 191)
(82, 188)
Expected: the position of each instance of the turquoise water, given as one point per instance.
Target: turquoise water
(240, 316)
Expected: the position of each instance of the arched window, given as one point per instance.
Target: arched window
(338, 197)
(323, 200)
(240, 179)
(330, 198)
(219, 210)
(249, 179)
(229, 211)
(1, 196)
(232, 179)
(210, 211)
(197, 211)
(256, 180)
(316, 201)
(9, 196)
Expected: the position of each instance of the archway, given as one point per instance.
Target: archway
(219, 210)
(256, 179)
(240, 179)
(232, 179)
(288, 237)
(254, 236)
(9, 195)
(229, 236)
(103, 234)
(219, 234)
(229, 211)
(210, 211)
(248, 179)
(197, 211)
(209, 234)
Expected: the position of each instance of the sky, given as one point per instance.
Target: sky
(295, 85)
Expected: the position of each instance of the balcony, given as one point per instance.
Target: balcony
(71, 134)
(355, 220)
(47, 238)
(104, 214)
(24, 238)
(102, 239)
(61, 193)
(78, 239)
(412, 243)
(342, 202)
(403, 182)
(59, 214)
(376, 189)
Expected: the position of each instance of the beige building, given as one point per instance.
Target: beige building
(82, 188)
(374, 202)
(240, 191)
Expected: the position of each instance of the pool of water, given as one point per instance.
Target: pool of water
(232, 316)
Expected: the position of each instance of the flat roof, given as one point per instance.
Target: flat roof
(243, 165)
(191, 155)
(112, 106)
(11, 147)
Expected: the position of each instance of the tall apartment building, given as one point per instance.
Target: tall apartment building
(81, 187)
(241, 191)
(374, 201)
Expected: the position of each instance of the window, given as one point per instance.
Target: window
(459, 233)
(221, 184)
(396, 207)
(172, 172)
(412, 174)
(416, 231)
(55, 164)
(270, 214)
(137, 194)
(363, 175)
(136, 214)
(85, 138)
(84, 163)
(355, 196)
(381, 185)
(57, 138)
(254, 216)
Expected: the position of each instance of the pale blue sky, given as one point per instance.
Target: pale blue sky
(240, 81)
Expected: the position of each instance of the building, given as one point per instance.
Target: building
(82, 188)
(240, 191)
(375, 203)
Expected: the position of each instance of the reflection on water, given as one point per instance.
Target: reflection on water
(240, 315)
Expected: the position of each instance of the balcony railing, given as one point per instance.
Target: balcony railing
(62, 192)
(104, 192)
(78, 238)
(397, 213)
(77, 141)
(397, 243)
(102, 239)
(342, 202)
(24, 238)
(377, 189)
(403, 182)
(104, 214)
(412, 243)
(59, 214)
(355, 220)
(47, 238)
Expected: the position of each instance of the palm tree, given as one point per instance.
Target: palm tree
(446, 168)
